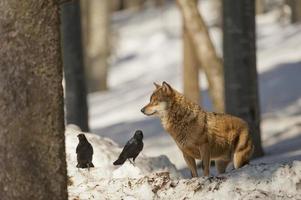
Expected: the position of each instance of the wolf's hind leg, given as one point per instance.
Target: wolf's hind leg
(221, 165)
(190, 161)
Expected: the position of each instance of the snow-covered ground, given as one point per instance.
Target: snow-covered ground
(157, 178)
(83, 183)
(149, 49)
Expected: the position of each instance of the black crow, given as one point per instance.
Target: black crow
(132, 148)
(84, 151)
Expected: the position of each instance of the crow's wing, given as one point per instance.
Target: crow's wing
(140, 147)
(84, 151)
(91, 148)
(129, 149)
(78, 148)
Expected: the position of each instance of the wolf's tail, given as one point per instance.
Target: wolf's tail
(243, 150)
(119, 161)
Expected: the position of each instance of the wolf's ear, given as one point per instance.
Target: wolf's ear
(167, 88)
(157, 85)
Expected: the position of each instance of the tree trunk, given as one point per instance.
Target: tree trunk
(116, 5)
(75, 87)
(190, 69)
(133, 4)
(260, 4)
(240, 65)
(97, 43)
(85, 26)
(296, 10)
(32, 143)
(206, 54)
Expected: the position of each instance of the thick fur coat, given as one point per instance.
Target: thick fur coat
(199, 134)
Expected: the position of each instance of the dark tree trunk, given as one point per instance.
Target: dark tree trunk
(32, 143)
(75, 87)
(241, 87)
(296, 10)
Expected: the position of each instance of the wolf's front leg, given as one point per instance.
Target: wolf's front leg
(205, 152)
(190, 161)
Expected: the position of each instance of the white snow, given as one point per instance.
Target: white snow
(82, 182)
(157, 178)
(148, 50)
(106, 152)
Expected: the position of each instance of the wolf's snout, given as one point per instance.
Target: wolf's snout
(143, 110)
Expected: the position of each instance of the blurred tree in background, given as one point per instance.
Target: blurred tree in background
(32, 143)
(241, 84)
(75, 86)
(133, 4)
(190, 68)
(260, 6)
(117, 5)
(295, 6)
(96, 32)
(205, 52)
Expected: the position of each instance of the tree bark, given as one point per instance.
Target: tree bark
(296, 10)
(190, 69)
(85, 26)
(32, 143)
(240, 65)
(75, 86)
(133, 4)
(206, 54)
(97, 46)
(260, 4)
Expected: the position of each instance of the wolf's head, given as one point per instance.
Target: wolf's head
(160, 100)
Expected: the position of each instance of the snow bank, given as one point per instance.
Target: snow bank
(157, 178)
(105, 153)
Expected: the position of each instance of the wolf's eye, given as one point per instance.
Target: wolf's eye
(151, 99)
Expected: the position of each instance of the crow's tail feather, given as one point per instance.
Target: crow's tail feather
(84, 165)
(90, 164)
(119, 161)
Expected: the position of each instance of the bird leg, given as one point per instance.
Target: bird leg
(132, 162)
(77, 166)
(89, 165)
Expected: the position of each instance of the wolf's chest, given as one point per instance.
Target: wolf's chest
(165, 123)
(190, 148)
(187, 143)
